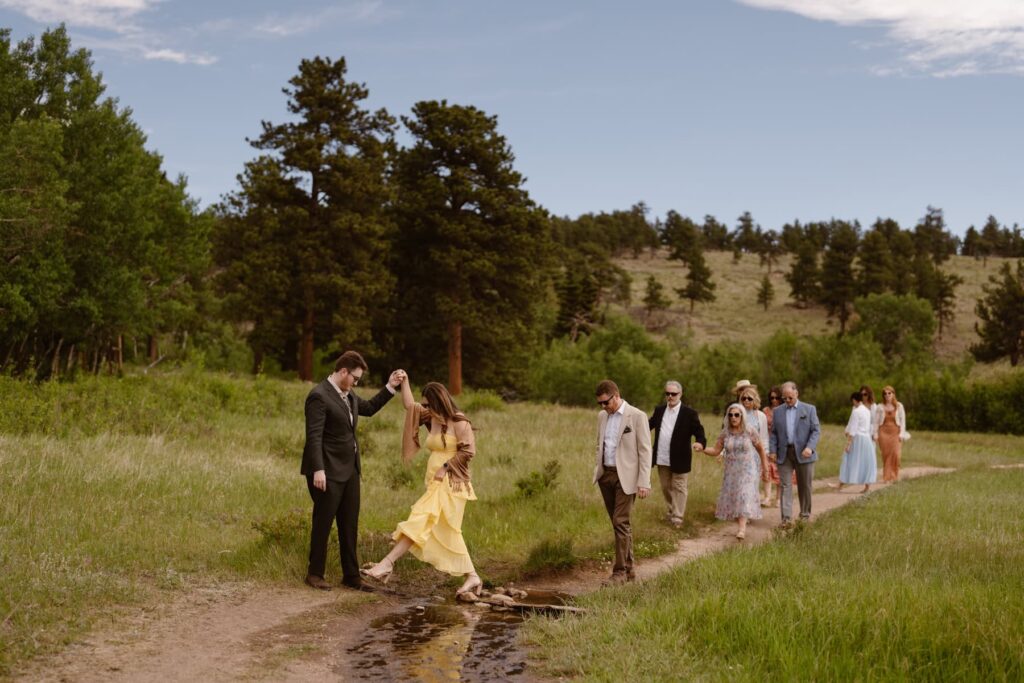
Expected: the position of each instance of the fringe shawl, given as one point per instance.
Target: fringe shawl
(458, 465)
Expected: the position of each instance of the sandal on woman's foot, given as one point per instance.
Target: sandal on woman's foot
(377, 573)
(741, 534)
(472, 585)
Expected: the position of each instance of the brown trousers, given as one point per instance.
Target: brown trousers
(619, 507)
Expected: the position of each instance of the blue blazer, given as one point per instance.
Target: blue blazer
(808, 431)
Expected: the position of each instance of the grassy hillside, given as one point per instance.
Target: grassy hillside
(735, 313)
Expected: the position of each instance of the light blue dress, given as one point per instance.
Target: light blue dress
(859, 465)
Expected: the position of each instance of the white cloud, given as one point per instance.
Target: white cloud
(123, 18)
(939, 37)
(110, 15)
(364, 11)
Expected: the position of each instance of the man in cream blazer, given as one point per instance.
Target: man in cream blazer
(623, 469)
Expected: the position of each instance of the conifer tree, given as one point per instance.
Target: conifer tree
(838, 287)
(1001, 316)
(766, 292)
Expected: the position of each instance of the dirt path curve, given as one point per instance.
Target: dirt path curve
(247, 632)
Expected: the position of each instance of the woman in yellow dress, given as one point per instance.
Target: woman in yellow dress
(433, 531)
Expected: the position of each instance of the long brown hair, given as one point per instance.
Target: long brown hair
(442, 407)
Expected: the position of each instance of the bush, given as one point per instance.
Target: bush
(538, 482)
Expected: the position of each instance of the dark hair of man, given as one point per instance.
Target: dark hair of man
(606, 387)
(350, 360)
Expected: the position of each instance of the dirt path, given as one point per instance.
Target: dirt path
(247, 632)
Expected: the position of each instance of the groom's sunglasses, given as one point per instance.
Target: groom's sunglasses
(605, 403)
(671, 393)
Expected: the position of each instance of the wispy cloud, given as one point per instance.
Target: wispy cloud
(938, 37)
(124, 19)
(364, 11)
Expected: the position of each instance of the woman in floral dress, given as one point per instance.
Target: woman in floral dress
(743, 456)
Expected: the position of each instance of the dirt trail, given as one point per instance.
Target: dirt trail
(249, 632)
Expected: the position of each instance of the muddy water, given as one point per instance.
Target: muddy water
(443, 642)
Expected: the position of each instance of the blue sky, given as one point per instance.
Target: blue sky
(806, 109)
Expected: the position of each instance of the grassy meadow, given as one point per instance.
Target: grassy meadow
(736, 285)
(921, 581)
(122, 492)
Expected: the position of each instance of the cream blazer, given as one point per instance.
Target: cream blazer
(633, 454)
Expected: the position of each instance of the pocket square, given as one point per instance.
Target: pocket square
(803, 417)
(627, 430)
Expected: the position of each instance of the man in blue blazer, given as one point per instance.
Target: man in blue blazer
(793, 442)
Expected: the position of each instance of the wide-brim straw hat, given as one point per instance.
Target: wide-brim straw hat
(743, 384)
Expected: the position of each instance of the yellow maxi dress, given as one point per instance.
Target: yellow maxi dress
(435, 523)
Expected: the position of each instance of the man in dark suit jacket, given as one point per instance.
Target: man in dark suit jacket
(330, 463)
(675, 427)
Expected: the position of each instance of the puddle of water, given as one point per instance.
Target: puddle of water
(443, 643)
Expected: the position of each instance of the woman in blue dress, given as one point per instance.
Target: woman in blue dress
(858, 465)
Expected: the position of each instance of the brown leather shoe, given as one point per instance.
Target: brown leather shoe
(317, 582)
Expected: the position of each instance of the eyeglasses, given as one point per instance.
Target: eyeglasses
(774, 398)
(605, 402)
(735, 415)
(671, 393)
(356, 378)
(747, 398)
(864, 394)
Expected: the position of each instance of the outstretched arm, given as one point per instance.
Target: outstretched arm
(407, 397)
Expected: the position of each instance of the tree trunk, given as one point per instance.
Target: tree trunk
(257, 361)
(120, 354)
(71, 359)
(55, 364)
(306, 347)
(455, 358)
(154, 349)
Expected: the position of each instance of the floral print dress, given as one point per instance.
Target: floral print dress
(739, 496)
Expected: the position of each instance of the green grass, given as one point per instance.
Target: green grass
(118, 493)
(923, 581)
(736, 315)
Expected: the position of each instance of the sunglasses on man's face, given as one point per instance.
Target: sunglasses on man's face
(605, 402)
(735, 415)
(671, 393)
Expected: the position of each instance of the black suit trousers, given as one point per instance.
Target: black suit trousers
(339, 502)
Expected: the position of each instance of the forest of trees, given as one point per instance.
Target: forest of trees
(431, 255)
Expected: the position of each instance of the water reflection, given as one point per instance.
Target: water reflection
(442, 643)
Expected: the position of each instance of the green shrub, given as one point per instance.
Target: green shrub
(538, 482)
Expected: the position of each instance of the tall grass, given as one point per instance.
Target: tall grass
(119, 492)
(924, 581)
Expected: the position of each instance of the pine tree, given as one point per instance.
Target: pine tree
(654, 296)
(804, 276)
(699, 287)
(1001, 316)
(472, 249)
(876, 269)
(321, 196)
(766, 292)
(838, 287)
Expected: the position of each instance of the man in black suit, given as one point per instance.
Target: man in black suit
(330, 463)
(675, 425)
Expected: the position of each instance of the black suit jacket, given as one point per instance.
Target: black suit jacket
(330, 435)
(687, 427)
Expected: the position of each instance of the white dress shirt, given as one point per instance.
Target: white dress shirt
(611, 434)
(668, 425)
